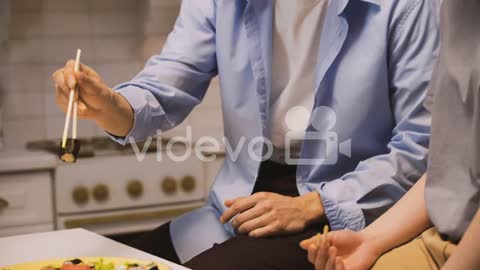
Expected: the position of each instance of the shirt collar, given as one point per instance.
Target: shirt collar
(376, 2)
(342, 4)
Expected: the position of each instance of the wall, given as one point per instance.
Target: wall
(116, 36)
(4, 23)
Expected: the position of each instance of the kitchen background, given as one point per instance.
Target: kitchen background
(37, 192)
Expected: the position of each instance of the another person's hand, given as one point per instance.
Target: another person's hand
(342, 250)
(325, 257)
(93, 94)
(265, 214)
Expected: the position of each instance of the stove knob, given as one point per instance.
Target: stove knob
(3, 203)
(101, 193)
(169, 185)
(80, 195)
(135, 189)
(188, 183)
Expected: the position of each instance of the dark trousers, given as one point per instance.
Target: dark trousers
(244, 252)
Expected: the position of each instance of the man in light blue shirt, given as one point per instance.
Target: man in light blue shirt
(364, 147)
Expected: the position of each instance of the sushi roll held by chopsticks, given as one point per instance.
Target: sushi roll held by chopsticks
(70, 148)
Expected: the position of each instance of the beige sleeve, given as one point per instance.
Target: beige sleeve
(429, 97)
(476, 142)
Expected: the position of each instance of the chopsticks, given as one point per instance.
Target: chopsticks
(72, 105)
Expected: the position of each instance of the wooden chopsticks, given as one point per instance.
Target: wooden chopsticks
(72, 105)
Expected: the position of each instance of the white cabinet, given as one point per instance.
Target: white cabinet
(25, 202)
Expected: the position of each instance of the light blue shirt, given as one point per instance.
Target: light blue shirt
(374, 65)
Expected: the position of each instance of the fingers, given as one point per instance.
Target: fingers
(88, 70)
(332, 256)
(322, 257)
(305, 244)
(266, 231)
(59, 79)
(82, 108)
(312, 253)
(238, 207)
(229, 203)
(339, 265)
(254, 224)
(84, 111)
(87, 84)
(89, 88)
(62, 102)
(246, 216)
(69, 74)
(64, 78)
(61, 99)
(330, 238)
(326, 258)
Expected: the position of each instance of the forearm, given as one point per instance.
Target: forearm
(466, 255)
(313, 208)
(117, 116)
(401, 223)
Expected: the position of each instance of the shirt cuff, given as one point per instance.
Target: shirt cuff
(342, 215)
(138, 101)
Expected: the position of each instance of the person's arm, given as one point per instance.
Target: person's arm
(162, 95)
(174, 81)
(466, 256)
(117, 117)
(404, 221)
(357, 198)
(359, 250)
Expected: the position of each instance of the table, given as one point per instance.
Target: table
(67, 244)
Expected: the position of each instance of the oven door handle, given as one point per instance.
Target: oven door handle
(103, 220)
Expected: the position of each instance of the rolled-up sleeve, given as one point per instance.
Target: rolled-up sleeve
(359, 197)
(173, 82)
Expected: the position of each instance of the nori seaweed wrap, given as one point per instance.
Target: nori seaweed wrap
(69, 153)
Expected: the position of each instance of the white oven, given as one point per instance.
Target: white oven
(120, 197)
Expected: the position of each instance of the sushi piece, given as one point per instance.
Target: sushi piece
(69, 153)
